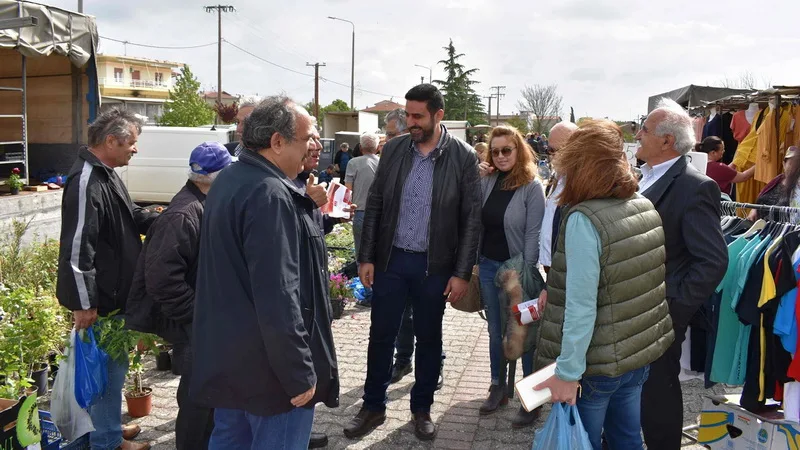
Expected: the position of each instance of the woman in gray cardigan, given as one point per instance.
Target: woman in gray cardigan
(513, 207)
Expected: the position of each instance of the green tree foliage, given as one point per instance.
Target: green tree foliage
(185, 107)
(335, 106)
(460, 99)
(519, 123)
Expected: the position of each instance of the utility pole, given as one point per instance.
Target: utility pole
(498, 95)
(219, 9)
(316, 88)
(489, 97)
(352, 60)
(422, 79)
(80, 6)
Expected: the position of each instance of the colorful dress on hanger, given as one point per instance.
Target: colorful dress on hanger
(771, 145)
(745, 157)
(740, 126)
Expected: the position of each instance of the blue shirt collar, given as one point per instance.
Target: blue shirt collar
(437, 151)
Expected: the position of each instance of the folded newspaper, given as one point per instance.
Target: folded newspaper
(339, 200)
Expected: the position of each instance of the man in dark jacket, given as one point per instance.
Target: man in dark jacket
(100, 243)
(262, 314)
(419, 238)
(162, 294)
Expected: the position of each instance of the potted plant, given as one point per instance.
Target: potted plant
(340, 294)
(122, 344)
(14, 181)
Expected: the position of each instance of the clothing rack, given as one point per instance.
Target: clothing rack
(784, 213)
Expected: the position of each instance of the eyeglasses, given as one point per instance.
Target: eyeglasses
(506, 151)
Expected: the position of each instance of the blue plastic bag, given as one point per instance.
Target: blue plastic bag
(91, 369)
(359, 291)
(563, 430)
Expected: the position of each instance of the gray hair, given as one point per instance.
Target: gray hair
(249, 102)
(113, 122)
(199, 178)
(369, 141)
(398, 115)
(275, 114)
(676, 123)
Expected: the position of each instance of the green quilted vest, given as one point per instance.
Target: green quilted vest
(633, 326)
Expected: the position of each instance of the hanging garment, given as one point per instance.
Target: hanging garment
(713, 127)
(740, 126)
(795, 139)
(731, 144)
(745, 158)
(698, 123)
(771, 145)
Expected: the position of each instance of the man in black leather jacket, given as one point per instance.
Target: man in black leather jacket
(419, 240)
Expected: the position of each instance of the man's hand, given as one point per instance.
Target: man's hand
(317, 192)
(456, 288)
(542, 301)
(351, 209)
(485, 169)
(562, 391)
(84, 318)
(305, 397)
(366, 272)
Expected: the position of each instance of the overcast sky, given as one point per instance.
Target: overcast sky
(607, 56)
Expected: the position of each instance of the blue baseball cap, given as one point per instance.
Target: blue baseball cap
(209, 157)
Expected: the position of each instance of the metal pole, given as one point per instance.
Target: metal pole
(80, 6)
(422, 79)
(219, 62)
(353, 67)
(430, 75)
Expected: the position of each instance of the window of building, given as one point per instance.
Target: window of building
(118, 74)
(159, 78)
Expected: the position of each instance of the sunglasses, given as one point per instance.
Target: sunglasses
(505, 151)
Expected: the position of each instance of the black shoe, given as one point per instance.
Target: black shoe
(398, 372)
(424, 428)
(524, 419)
(318, 440)
(364, 303)
(440, 382)
(364, 422)
(497, 397)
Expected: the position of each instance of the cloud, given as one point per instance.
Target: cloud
(588, 74)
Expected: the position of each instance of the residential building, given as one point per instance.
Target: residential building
(384, 106)
(141, 85)
(211, 98)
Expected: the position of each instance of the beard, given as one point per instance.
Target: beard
(421, 135)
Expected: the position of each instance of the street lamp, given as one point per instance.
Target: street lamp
(430, 72)
(352, 59)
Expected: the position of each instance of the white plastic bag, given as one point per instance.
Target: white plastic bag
(72, 420)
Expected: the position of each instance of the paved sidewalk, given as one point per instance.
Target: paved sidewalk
(455, 409)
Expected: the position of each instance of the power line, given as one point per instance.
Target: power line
(158, 46)
(267, 61)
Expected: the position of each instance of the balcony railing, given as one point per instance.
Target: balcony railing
(136, 84)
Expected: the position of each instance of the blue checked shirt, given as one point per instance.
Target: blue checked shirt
(415, 206)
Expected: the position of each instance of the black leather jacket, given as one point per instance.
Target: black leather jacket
(455, 207)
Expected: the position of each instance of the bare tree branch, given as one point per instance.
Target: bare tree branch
(543, 103)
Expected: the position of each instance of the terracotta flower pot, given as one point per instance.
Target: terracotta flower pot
(139, 405)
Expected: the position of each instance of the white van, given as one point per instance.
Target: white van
(158, 171)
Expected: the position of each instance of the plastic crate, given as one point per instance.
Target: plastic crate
(51, 437)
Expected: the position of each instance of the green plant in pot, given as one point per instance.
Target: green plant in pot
(33, 329)
(123, 345)
(14, 181)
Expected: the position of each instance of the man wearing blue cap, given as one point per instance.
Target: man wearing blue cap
(162, 295)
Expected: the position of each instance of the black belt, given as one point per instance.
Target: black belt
(413, 252)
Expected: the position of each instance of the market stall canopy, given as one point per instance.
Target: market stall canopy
(58, 31)
(692, 96)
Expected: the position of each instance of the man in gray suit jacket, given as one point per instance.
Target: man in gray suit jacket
(697, 257)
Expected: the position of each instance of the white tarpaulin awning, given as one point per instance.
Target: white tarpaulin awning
(64, 32)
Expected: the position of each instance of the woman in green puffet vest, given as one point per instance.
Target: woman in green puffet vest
(606, 317)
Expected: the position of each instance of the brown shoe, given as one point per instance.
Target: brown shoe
(129, 432)
(128, 445)
(497, 398)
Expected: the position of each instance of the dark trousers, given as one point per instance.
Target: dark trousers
(405, 339)
(404, 278)
(662, 399)
(194, 424)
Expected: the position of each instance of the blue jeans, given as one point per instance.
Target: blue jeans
(235, 429)
(612, 407)
(358, 225)
(490, 294)
(405, 278)
(106, 413)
